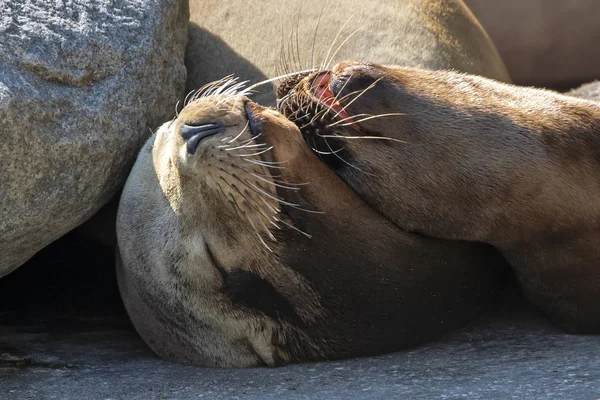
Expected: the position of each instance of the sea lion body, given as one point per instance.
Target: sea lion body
(263, 39)
(478, 160)
(208, 280)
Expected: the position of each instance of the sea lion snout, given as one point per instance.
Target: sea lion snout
(194, 134)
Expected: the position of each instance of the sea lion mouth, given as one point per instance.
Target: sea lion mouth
(316, 105)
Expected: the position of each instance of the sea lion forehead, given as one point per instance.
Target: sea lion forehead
(227, 109)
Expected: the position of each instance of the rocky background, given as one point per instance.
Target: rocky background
(82, 84)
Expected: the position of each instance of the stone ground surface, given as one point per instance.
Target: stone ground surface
(64, 341)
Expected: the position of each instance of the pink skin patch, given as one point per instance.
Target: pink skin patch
(323, 95)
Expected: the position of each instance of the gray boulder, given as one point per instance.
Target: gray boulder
(81, 83)
(588, 91)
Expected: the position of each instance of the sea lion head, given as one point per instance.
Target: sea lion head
(386, 130)
(200, 228)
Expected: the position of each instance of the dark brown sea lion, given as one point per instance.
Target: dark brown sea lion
(471, 159)
(240, 248)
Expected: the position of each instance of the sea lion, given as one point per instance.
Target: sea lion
(544, 42)
(471, 159)
(240, 248)
(262, 39)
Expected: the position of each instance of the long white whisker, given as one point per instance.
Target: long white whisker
(326, 61)
(306, 71)
(241, 132)
(365, 119)
(340, 46)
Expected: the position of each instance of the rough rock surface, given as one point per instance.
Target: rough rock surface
(81, 83)
(588, 91)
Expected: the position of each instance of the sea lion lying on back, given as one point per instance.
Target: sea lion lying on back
(240, 248)
(472, 159)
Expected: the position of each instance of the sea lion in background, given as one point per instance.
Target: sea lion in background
(241, 248)
(263, 39)
(471, 159)
(544, 42)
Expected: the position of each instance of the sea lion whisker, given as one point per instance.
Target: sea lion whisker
(341, 45)
(270, 163)
(224, 86)
(326, 153)
(372, 85)
(365, 119)
(313, 147)
(203, 91)
(326, 61)
(346, 162)
(293, 227)
(314, 118)
(263, 242)
(349, 118)
(251, 224)
(245, 146)
(248, 201)
(241, 132)
(306, 71)
(229, 198)
(275, 225)
(259, 191)
(312, 60)
(264, 164)
(187, 96)
(274, 177)
(255, 154)
(274, 183)
(294, 53)
(276, 198)
(275, 210)
(364, 137)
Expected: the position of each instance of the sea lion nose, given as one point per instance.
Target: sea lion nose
(193, 134)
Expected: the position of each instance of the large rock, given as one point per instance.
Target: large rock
(588, 91)
(81, 83)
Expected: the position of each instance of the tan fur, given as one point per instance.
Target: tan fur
(256, 40)
(202, 287)
(483, 161)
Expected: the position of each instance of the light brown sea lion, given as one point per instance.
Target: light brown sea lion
(240, 248)
(256, 40)
(471, 159)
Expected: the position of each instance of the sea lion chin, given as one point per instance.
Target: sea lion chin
(239, 248)
(457, 156)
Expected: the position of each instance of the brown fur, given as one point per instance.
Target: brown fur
(202, 288)
(518, 168)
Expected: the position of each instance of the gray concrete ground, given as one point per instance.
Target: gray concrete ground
(64, 335)
(505, 355)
